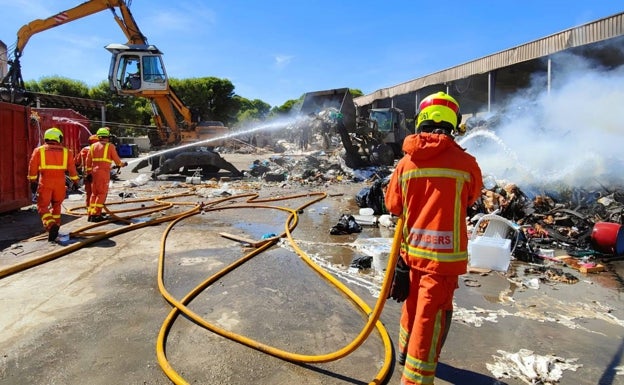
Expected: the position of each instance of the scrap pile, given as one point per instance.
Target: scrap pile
(555, 219)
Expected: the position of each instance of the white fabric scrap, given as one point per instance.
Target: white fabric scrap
(531, 368)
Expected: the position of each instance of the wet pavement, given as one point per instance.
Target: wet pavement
(93, 316)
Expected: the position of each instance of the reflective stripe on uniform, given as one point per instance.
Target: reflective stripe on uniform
(443, 246)
(104, 157)
(44, 166)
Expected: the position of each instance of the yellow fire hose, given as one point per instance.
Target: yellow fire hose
(179, 306)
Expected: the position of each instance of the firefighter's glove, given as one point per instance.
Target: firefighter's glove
(400, 282)
(124, 164)
(89, 178)
(33, 187)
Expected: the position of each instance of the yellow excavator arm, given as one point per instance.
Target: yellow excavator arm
(126, 21)
(163, 99)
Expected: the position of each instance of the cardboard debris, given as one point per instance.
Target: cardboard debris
(583, 267)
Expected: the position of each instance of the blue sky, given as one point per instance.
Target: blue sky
(278, 50)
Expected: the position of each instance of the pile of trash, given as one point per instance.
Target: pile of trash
(567, 219)
(317, 168)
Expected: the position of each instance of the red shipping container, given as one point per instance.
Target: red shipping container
(23, 128)
(15, 129)
(75, 126)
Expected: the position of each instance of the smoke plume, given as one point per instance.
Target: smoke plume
(570, 137)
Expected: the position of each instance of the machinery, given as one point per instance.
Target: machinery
(136, 69)
(375, 139)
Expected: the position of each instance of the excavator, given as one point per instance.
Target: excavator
(136, 69)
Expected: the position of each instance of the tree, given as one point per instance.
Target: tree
(287, 107)
(126, 115)
(356, 92)
(57, 85)
(210, 97)
(251, 110)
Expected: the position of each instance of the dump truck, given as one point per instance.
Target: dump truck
(371, 140)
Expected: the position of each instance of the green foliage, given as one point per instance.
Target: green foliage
(251, 110)
(208, 98)
(288, 106)
(356, 92)
(125, 115)
(57, 85)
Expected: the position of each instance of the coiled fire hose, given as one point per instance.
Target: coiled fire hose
(180, 306)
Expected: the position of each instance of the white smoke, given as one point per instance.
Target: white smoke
(572, 136)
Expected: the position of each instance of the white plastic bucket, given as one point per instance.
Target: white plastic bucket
(193, 180)
(489, 253)
(367, 211)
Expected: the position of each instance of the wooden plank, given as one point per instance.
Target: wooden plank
(239, 238)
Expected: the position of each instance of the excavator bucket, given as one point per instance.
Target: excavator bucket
(339, 99)
(186, 161)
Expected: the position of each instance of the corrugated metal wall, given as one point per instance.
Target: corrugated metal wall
(597, 31)
(24, 134)
(14, 131)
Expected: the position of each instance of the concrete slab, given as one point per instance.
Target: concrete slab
(93, 316)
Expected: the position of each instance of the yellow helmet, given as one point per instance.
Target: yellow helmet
(53, 134)
(103, 132)
(93, 139)
(438, 110)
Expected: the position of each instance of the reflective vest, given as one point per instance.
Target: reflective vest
(51, 160)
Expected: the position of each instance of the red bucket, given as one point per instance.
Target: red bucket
(608, 238)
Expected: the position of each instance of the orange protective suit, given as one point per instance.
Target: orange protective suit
(431, 188)
(49, 163)
(81, 165)
(99, 159)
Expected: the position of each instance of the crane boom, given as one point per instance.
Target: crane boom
(126, 22)
(164, 100)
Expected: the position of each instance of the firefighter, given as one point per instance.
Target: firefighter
(431, 189)
(48, 164)
(99, 158)
(81, 163)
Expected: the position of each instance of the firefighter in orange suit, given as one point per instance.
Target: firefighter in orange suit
(81, 164)
(99, 158)
(49, 162)
(431, 189)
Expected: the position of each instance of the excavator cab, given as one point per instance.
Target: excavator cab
(136, 68)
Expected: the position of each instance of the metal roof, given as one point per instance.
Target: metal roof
(593, 32)
(60, 101)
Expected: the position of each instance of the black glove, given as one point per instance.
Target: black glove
(33, 187)
(400, 282)
(88, 178)
(124, 164)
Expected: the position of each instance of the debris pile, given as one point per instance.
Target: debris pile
(531, 368)
(564, 219)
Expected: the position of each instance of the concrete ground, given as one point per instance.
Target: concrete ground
(93, 316)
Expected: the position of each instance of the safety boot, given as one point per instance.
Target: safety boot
(54, 231)
(401, 358)
(99, 218)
